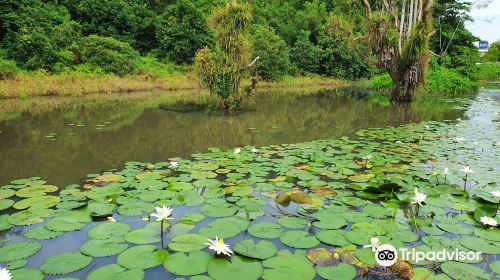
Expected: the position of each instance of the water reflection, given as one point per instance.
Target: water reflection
(62, 139)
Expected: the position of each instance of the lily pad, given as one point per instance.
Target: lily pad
(186, 265)
(108, 230)
(225, 227)
(288, 268)
(27, 273)
(299, 239)
(65, 263)
(114, 271)
(265, 230)
(240, 268)
(458, 270)
(293, 222)
(342, 271)
(17, 251)
(262, 250)
(188, 242)
(41, 233)
(104, 247)
(142, 257)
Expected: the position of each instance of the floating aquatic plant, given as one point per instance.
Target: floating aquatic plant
(162, 213)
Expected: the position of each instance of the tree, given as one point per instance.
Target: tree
(273, 52)
(399, 36)
(493, 53)
(182, 31)
(304, 54)
(222, 67)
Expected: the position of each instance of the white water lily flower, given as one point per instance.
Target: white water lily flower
(111, 219)
(237, 151)
(419, 197)
(436, 173)
(467, 169)
(427, 127)
(458, 139)
(446, 171)
(496, 194)
(5, 274)
(488, 221)
(254, 150)
(162, 213)
(374, 244)
(174, 165)
(219, 247)
(399, 142)
(367, 157)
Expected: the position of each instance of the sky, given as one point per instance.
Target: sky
(486, 23)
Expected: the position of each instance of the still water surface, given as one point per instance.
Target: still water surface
(63, 138)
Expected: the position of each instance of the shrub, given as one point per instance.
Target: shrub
(8, 69)
(439, 80)
(488, 71)
(182, 30)
(274, 54)
(381, 82)
(449, 81)
(109, 54)
(305, 55)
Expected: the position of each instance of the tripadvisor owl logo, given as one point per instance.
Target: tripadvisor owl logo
(386, 255)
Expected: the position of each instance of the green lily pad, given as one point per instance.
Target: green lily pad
(455, 228)
(108, 230)
(480, 245)
(6, 193)
(240, 268)
(6, 203)
(46, 201)
(186, 265)
(27, 273)
(36, 191)
(188, 242)
(332, 237)
(458, 270)
(219, 210)
(299, 239)
(288, 268)
(225, 227)
(265, 230)
(17, 251)
(16, 264)
(262, 250)
(64, 224)
(293, 222)
(145, 235)
(114, 271)
(103, 247)
(342, 271)
(142, 257)
(41, 233)
(65, 263)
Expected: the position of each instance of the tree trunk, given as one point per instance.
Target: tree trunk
(404, 84)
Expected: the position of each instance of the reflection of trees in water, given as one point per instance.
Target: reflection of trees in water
(139, 131)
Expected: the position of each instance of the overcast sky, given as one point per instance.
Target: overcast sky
(486, 23)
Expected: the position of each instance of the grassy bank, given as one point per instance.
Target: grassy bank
(78, 84)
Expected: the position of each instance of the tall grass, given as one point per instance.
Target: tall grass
(77, 83)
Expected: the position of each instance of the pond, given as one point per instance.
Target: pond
(62, 139)
(304, 210)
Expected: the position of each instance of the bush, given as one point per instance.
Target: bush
(182, 30)
(381, 82)
(449, 81)
(110, 55)
(149, 65)
(339, 60)
(439, 80)
(274, 54)
(305, 55)
(488, 71)
(8, 69)
(493, 53)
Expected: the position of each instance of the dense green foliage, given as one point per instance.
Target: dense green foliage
(488, 72)
(292, 37)
(222, 67)
(8, 69)
(182, 31)
(493, 53)
(274, 53)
